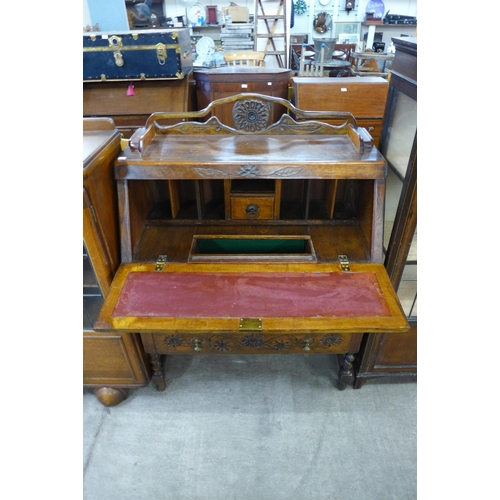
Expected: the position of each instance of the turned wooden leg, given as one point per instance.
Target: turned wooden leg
(158, 376)
(346, 375)
(110, 396)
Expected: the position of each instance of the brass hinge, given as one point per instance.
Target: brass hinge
(344, 263)
(160, 262)
(250, 324)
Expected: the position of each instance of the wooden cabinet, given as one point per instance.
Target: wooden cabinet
(129, 112)
(365, 98)
(383, 355)
(212, 84)
(112, 362)
(199, 277)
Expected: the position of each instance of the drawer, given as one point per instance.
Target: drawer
(267, 88)
(252, 207)
(249, 343)
(365, 96)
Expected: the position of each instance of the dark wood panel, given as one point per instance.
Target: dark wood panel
(383, 355)
(404, 64)
(398, 352)
(110, 99)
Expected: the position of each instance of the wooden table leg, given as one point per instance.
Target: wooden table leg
(158, 369)
(346, 374)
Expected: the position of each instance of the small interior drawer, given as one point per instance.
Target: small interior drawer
(253, 207)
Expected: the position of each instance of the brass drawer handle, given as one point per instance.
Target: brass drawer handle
(161, 53)
(252, 211)
(196, 343)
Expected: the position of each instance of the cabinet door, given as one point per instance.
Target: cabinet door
(400, 130)
(113, 359)
(400, 238)
(383, 355)
(399, 146)
(92, 295)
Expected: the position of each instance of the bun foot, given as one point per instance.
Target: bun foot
(110, 396)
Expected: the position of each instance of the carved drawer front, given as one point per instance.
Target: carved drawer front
(252, 207)
(250, 343)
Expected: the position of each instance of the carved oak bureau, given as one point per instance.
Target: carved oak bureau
(262, 238)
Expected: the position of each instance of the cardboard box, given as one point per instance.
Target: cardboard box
(238, 14)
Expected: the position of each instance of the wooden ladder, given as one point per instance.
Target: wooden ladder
(272, 32)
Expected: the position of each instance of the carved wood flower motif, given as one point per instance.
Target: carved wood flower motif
(222, 346)
(250, 115)
(173, 341)
(248, 171)
(331, 339)
(280, 345)
(253, 340)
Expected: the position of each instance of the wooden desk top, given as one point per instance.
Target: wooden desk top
(95, 143)
(283, 156)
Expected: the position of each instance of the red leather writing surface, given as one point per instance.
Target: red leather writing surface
(234, 295)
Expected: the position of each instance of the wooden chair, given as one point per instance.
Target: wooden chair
(345, 48)
(244, 58)
(342, 52)
(295, 54)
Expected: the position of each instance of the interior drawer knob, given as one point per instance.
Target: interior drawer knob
(252, 211)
